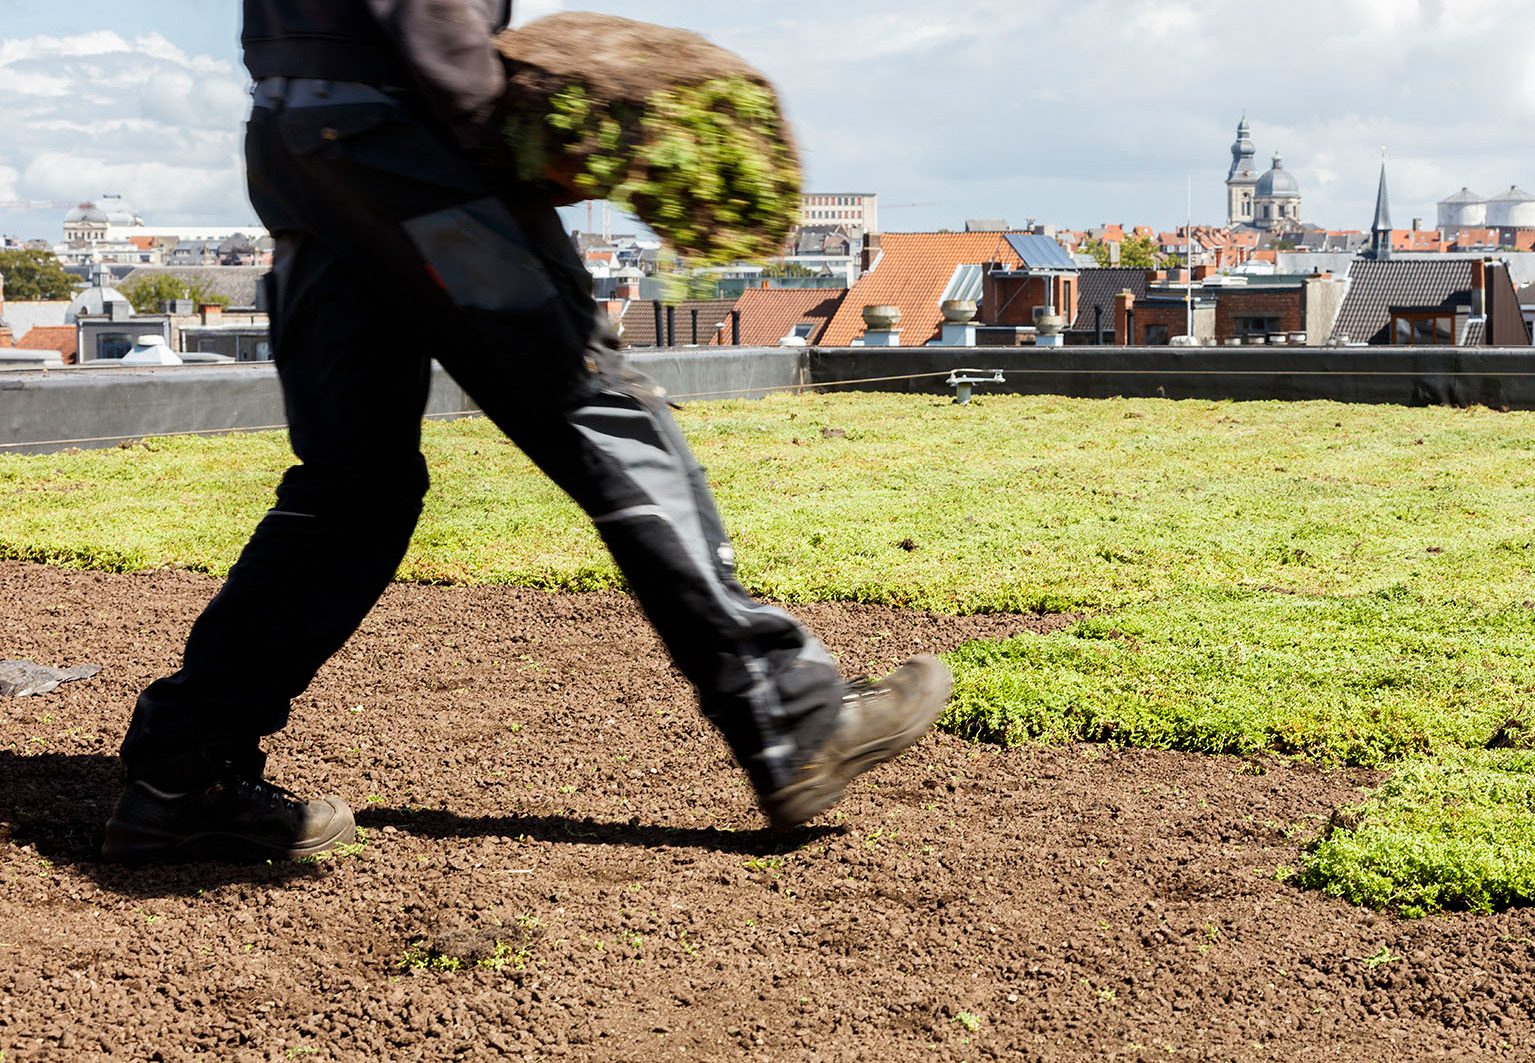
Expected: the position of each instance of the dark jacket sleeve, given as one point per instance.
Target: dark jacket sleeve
(447, 46)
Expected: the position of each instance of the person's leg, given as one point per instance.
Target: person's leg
(610, 442)
(351, 303)
(323, 554)
(315, 565)
(769, 686)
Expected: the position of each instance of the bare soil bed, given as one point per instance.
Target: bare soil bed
(529, 770)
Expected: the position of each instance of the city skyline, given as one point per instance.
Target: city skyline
(946, 116)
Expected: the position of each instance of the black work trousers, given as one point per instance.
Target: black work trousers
(394, 249)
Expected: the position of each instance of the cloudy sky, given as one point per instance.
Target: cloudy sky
(1073, 112)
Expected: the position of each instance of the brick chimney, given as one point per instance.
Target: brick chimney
(211, 313)
(1124, 306)
(629, 290)
(870, 253)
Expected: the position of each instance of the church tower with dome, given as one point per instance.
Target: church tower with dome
(1270, 202)
(1241, 179)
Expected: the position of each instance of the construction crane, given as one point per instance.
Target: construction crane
(36, 204)
(898, 206)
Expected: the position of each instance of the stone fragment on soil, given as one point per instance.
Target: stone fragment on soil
(21, 679)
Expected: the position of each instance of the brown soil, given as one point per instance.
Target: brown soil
(530, 771)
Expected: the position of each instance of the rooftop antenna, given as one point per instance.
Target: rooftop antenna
(1188, 276)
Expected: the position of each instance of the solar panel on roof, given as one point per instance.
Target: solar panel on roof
(1039, 252)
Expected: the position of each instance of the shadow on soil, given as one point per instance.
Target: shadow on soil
(587, 831)
(57, 804)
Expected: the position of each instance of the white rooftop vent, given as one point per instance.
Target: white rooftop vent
(151, 350)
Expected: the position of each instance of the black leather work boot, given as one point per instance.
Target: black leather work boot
(238, 817)
(874, 724)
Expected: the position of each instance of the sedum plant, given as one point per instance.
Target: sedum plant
(695, 146)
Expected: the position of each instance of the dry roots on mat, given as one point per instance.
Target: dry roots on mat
(659, 121)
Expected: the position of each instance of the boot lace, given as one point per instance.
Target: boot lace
(260, 790)
(862, 687)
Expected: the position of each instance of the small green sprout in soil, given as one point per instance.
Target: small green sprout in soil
(340, 852)
(1380, 956)
(497, 948)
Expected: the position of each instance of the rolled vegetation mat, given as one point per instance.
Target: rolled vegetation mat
(684, 134)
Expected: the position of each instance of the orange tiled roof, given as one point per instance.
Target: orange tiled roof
(1476, 237)
(770, 314)
(912, 272)
(62, 338)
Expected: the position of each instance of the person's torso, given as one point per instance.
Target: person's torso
(337, 40)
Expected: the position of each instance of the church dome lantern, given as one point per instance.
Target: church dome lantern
(1278, 181)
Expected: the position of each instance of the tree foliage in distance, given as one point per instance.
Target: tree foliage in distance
(1139, 252)
(1100, 252)
(1135, 252)
(148, 292)
(33, 275)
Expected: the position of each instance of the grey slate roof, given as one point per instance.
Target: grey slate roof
(238, 283)
(1097, 287)
(1377, 288)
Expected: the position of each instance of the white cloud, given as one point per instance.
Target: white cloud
(92, 113)
(1160, 21)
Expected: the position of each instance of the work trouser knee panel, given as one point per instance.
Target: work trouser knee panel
(353, 492)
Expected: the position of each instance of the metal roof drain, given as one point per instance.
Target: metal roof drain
(962, 380)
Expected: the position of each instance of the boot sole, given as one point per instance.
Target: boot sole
(798, 803)
(130, 843)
